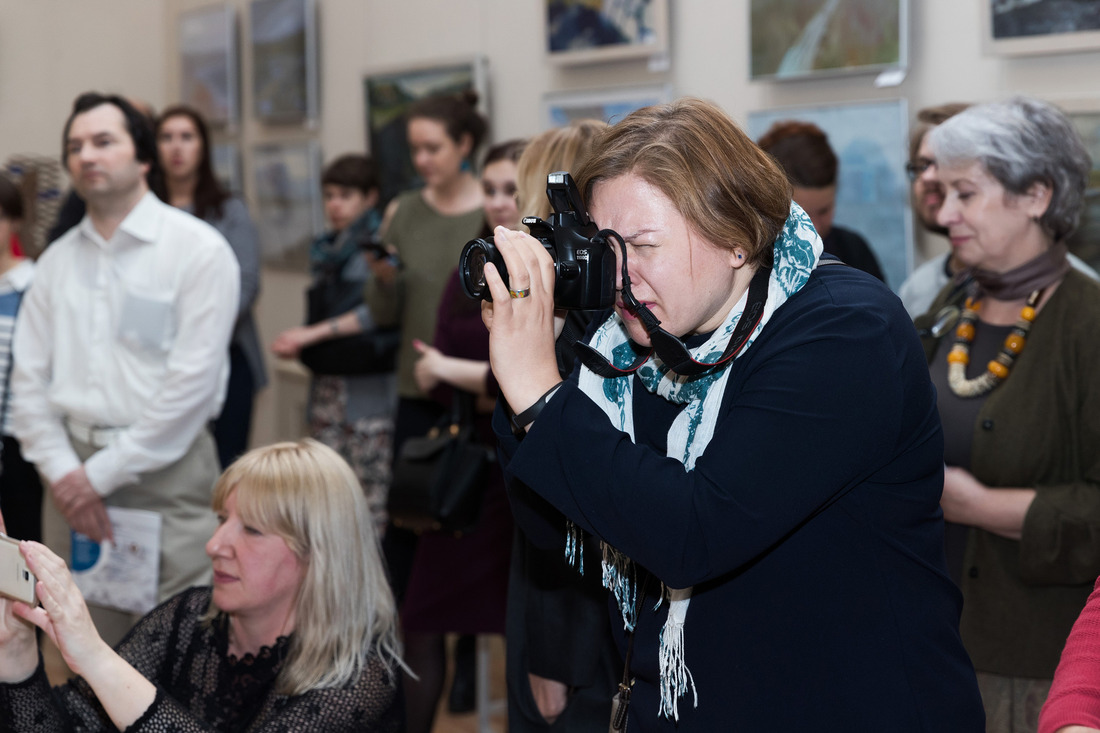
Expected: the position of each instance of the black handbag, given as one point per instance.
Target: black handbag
(439, 479)
(370, 352)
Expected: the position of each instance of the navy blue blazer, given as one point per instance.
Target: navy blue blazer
(810, 528)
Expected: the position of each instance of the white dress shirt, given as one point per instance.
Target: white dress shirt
(129, 333)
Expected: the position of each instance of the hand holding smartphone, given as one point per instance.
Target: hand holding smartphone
(16, 581)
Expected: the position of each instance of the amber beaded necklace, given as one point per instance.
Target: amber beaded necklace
(999, 368)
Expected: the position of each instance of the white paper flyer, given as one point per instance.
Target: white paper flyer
(124, 574)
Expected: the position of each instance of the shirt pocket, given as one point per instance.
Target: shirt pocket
(147, 323)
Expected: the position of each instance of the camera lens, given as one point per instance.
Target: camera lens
(471, 267)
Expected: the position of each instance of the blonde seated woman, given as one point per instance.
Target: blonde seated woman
(297, 632)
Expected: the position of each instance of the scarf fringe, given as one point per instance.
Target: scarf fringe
(675, 675)
(574, 546)
(618, 577)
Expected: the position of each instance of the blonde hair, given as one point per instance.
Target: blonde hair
(729, 190)
(560, 149)
(307, 494)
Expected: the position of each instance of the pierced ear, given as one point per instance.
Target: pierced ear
(738, 258)
(466, 144)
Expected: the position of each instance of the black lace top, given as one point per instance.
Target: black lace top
(201, 688)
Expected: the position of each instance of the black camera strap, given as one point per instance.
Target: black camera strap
(672, 351)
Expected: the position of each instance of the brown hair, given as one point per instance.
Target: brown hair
(11, 201)
(352, 170)
(559, 149)
(456, 112)
(928, 118)
(730, 191)
(209, 196)
(803, 149)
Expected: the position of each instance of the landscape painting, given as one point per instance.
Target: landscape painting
(1017, 27)
(608, 105)
(284, 60)
(587, 31)
(208, 63)
(287, 192)
(799, 38)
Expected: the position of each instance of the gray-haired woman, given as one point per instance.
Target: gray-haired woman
(1018, 395)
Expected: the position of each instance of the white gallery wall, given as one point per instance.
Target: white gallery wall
(50, 50)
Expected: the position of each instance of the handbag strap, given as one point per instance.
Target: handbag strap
(462, 407)
(619, 722)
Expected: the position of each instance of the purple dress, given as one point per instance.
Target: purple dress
(459, 584)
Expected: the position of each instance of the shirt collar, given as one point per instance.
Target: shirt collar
(142, 224)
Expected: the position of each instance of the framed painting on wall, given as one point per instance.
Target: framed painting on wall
(388, 95)
(592, 31)
(226, 160)
(609, 105)
(791, 39)
(208, 63)
(1020, 27)
(287, 191)
(284, 60)
(871, 141)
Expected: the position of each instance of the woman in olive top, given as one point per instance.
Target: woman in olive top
(427, 229)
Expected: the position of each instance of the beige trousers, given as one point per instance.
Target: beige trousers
(180, 493)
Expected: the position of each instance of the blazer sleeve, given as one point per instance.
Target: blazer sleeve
(834, 396)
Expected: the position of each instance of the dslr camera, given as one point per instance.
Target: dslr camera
(584, 261)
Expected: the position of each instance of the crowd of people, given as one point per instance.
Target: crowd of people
(753, 488)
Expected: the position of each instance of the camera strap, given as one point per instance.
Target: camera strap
(672, 351)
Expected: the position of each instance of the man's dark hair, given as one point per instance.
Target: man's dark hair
(138, 125)
(353, 171)
(11, 200)
(803, 151)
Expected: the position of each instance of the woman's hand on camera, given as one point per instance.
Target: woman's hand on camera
(522, 326)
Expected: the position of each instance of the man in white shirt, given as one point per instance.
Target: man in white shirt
(120, 352)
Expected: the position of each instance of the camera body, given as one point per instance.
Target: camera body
(584, 262)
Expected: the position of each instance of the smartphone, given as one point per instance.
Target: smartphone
(378, 251)
(16, 581)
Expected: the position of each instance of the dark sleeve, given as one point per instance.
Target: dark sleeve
(242, 236)
(33, 705)
(1060, 540)
(807, 418)
(1074, 697)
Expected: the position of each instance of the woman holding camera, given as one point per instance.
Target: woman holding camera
(769, 516)
(297, 633)
(1017, 392)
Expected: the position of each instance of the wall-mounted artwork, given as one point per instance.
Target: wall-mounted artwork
(609, 105)
(871, 141)
(590, 31)
(287, 191)
(226, 159)
(1017, 27)
(388, 96)
(284, 60)
(793, 39)
(208, 63)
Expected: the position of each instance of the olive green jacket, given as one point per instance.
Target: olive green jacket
(1041, 429)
